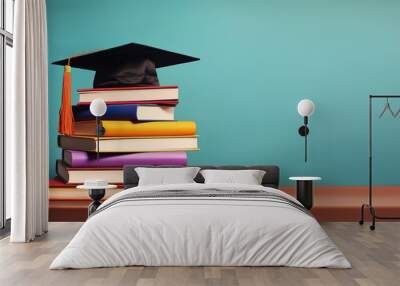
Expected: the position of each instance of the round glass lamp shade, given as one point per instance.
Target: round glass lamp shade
(305, 107)
(98, 107)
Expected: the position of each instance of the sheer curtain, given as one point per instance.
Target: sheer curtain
(27, 124)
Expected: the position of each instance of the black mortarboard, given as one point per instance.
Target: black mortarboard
(127, 65)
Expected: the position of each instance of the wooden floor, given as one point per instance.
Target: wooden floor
(375, 257)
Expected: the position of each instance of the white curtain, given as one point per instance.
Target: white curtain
(27, 124)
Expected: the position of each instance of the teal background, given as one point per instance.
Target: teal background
(258, 59)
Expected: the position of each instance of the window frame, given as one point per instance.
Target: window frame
(6, 39)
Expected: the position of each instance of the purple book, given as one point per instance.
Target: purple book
(80, 159)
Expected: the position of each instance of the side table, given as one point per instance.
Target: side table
(304, 190)
(96, 193)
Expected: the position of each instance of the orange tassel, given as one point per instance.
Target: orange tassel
(66, 116)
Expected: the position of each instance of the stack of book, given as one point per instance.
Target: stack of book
(137, 129)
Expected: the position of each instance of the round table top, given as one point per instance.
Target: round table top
(87, 187)
(305, 178)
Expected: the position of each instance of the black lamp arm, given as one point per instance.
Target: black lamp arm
(303, 131)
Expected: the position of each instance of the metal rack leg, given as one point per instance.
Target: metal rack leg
(361, 221)
(374, 216)
(372, 211)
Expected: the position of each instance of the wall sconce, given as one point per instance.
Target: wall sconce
(98, 108)
(305, 108)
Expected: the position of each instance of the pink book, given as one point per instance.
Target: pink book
(81, 159)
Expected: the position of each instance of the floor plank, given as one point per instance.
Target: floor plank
(375, 257)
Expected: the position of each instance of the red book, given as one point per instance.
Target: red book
(57, 183)
(142, 94)
(158, 102)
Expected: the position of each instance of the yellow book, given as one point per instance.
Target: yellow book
(116, 128)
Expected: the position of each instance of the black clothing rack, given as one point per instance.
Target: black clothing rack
(370, 206)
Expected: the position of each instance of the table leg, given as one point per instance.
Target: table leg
(96, 195)
(305, 193)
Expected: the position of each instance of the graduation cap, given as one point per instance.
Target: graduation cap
(127, 65)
